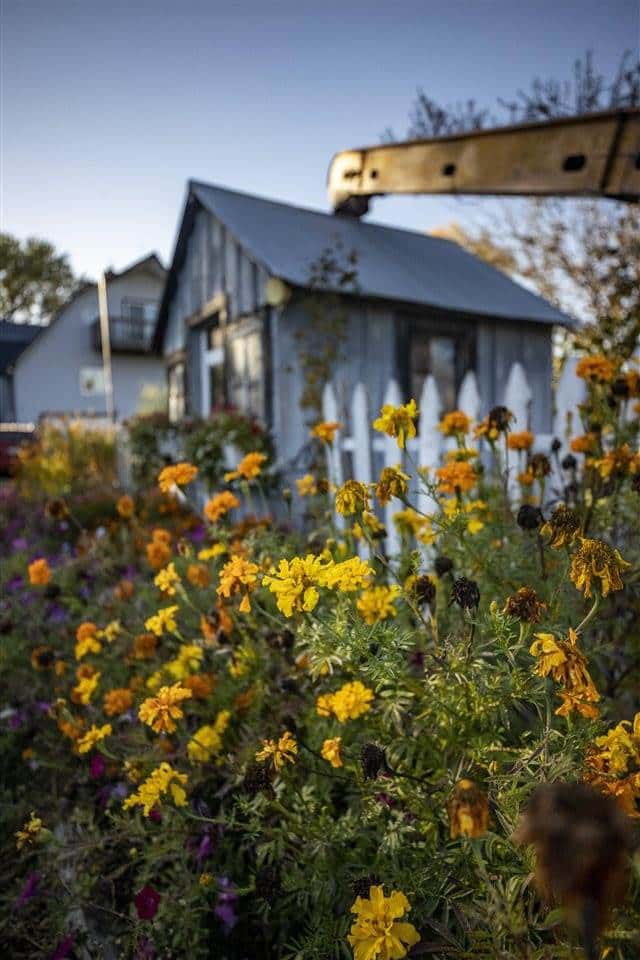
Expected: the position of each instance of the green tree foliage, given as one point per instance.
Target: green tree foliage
(35, 280)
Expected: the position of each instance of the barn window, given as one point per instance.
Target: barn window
(433, 347)
(176, 385)
(245, 377)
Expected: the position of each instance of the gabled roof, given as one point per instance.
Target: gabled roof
(14, 338)
(400, 265)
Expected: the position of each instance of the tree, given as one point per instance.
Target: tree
(35, 280)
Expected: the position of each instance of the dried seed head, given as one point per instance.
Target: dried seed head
(466, 593)
(424, 590)
(442, 565)
(529, 517)
(500, 418)
(539, 465)
(372, 760)
(56, 509)
(525, 605)
(468, 810)
(569, 462)
(556, 445)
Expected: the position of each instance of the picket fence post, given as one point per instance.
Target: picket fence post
(334, 450)
(392, 455)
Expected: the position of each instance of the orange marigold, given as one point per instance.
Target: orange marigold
(456, 477)
(117, 701)
(522, 440)
(125, 506)
(200, 684)
(597, 369)
(198, 575)
(249, 467)
(145, 646)
(454, 423)
(39, 573)
(162, 711)
(178, 475)
(158, 554)
(219, 505)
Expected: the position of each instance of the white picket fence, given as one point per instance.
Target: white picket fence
(359, 441)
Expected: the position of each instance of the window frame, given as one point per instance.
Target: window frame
(457, 327)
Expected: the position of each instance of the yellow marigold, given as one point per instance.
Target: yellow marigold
(210, 553)
(219, 505)
(324, 705)
(306, 485)
(295, 583)
(200, 684)
(468, 810)
(398, 422)
(326, 430)
(238, 575)
(111, 631)
(377, 603)
(562, 660)
(392, 483)
(597, 369)
(93, 736)
(161, 712)
(352, 497)
(207, 740)
(377, 931)
(572, 701)
(198, 575)
(461, 453)
(331, 751)
(144, 646)
(125, 506)
(522, 440)
(30, 832)
(278, 751)
(526, 478)
(188, 661)
(351, 701)
(584, 443)
(596, 560)
(619, 748)
(179, 475)
(457, 477)
(249, 467)
(85, 689)
(410, 523)
(117, 701)
(166, 579)
(454, 424)
(164, 779)
(561, 527)
(618, 462)
(87, 644)
(370, 525)
(162, 621)
(39, 573)
(86, 630)
(347, 576)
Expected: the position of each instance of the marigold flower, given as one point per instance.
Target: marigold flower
(277, 752)
(87, 642)
(324, 705)
(392, 483)
(371, 525)
(398, 422)
(198, 575)
(200, 684)
(207, 740)
(455, 424)
(352, 497)
(307, 485)
(326, 430)
(164, 779)
(86, 630)
(93, 736)
(295, 583)
(166, 579)
(562, 660)
(249, 467)
(125, 506)
(468, 810)
(179, 475)
(157, 554)
(189, 658)
(618, 462)
(331, 751)
(85, 689)
(117, 701)
(238, 576)
(377, 603)
(210, 553)
(522, 440)
(144, 646)
(39, 572)
(219, 505)
(410, 523)
(525, 605)
(124, 590)
(350, 702)
(561, 527)
(347, 576)
(584, 443)
(456, 477)
(162, 621)
(42, 657)
(161, 712)
(596, 560)
(30, 832)
(377, 930)
(596, 369)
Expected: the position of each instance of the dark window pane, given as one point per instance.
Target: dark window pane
(443, 368)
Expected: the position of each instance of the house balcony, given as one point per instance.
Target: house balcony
(127, 334)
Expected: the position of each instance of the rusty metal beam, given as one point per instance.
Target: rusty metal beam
(595, 155)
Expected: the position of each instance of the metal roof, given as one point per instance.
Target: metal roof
(399, 265)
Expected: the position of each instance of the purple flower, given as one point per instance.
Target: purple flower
(145, 950)
(97, 766)
(205, 848)
(15, 583)
(155, 815)
(198, 534)
(57, 614)
(225, 907)
(147, 901)
(19, 544)
(63, 949)
(29, 890)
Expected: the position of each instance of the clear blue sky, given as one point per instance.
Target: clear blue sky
(108, 106)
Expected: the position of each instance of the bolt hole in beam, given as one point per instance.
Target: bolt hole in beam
(574, 162)
(638, 161)
(373, 174)
(448, 170)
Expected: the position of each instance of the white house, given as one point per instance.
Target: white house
(61, 372)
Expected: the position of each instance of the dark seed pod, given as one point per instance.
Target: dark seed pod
(620, 387)
(288, 685)
(569, 462)
(323, 485)
(372, 760)
(556, 445)
(529, 517)
(540, 465)
(442, 565)
(56, 509)
(424, 590)
(466, 593)
(257, 779)
(500, 418)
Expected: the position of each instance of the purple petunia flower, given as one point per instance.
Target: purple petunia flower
(147, 901)
(225, 906)
(29, 890)
(205, 848)
(20, 544)
(97, 766)
(198, 534)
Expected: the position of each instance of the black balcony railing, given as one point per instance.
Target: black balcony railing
(127, 334)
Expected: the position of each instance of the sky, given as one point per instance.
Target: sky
(108, 108)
